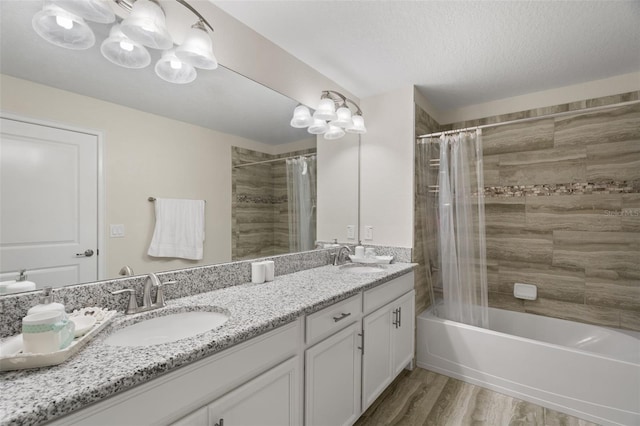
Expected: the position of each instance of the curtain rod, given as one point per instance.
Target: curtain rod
(273, 160)
(521, 120)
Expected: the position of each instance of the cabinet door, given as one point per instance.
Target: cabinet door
(403, 335)
(271, 399)
(333, 369)
(376, 361)
(199, 417)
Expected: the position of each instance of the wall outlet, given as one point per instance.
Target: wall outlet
(116, 231)
(368, 232)
(351, 232)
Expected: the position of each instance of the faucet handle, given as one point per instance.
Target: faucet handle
(160, 293)
(132, 305)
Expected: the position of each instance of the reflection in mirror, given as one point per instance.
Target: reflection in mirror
(150, 139)
(274, 203)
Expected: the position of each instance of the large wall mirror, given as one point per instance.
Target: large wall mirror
(224, 139)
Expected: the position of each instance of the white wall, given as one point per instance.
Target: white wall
(337, 193)
(140, 156)
(386, 183)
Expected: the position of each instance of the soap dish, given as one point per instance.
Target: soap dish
(15, 359)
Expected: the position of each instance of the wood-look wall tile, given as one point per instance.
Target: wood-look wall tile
(501, 212)
(552, 282)
(519, 245)
(609, 125)
(613, 289)
(596, 250)
(505, 301)
(630, 212)
(491, 170)
(574, 312)
(573, 212)
(630, 320)
(555, 165)
(613, 161)
(518, 137)
(556, 418)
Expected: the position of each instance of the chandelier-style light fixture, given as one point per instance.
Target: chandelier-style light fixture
(332, 117)
(62, 22)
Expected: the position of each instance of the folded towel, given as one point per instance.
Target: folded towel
(179, 230)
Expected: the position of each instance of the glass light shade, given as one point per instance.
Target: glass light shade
(197, 50)
(146, 25)
(326, 110)
(170, 68)
(92, 10)
(318, 127)
(121, 50)
(301, 117)
(62, 28)
(334, 132)
(344, 118)
(357, 126)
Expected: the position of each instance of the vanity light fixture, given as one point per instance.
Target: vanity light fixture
(327, 119)
(143, 25)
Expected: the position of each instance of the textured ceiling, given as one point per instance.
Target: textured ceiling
(458, 53)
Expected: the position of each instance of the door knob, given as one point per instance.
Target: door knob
(87, 253)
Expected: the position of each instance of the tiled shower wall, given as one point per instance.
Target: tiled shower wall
(562, 201)
(260, 216)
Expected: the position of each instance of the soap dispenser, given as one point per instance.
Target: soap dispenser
(46, 303)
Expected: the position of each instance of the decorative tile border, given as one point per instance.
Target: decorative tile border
(579, 188)
(259, 199)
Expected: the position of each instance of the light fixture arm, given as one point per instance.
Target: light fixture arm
(128, 5)
(338, 98)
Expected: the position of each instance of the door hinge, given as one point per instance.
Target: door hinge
(361, 347)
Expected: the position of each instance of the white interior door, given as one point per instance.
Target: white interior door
(48, 204)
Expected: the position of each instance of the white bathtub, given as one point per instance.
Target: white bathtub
(587, 371)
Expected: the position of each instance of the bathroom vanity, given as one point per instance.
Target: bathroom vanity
(314, 347)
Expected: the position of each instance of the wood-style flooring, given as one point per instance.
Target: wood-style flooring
(422, 397)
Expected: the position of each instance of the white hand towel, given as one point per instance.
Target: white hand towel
(179, 230)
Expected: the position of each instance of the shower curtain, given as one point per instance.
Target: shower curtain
(301, 195)
(459, 224)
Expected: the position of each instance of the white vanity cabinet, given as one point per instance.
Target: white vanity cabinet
(333, 365)
(356, 361)
(263, 370)
(324, 369)
(271, 399)
(388, 336)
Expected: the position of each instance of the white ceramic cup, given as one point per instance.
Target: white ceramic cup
(46, 332)
(258, 272)
(270, 270)
(370, 253)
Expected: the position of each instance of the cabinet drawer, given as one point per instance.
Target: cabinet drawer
(385, 293)
(333, 318)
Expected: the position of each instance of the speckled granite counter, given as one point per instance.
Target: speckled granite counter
(99, 371)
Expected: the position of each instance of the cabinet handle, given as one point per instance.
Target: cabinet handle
(361, 347)
(395, 318)
(400, 316)
(221, 423)
(341, 317)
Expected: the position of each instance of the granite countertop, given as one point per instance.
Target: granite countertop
(99, 371)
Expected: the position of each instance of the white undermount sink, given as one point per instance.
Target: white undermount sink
(168, 328)
(359, 268)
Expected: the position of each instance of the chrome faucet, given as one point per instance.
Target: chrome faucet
(151, 281)
(341, 257)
